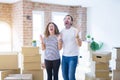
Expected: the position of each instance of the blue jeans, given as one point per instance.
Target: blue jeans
(69, 67)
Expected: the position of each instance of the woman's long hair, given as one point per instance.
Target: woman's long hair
(47, 33)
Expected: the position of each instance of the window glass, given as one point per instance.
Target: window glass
(58, 17)
(5, 37)
(38, 25)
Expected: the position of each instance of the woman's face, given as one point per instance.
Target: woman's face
(67, 21)
(51, 28)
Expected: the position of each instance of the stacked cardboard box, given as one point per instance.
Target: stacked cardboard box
(19, 77)
(8, 60)
(32, 62)
(5, 73)
(37, 74)
(116, 70)
(102, 65)
(8, 64)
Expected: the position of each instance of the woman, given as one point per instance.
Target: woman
(50, 45)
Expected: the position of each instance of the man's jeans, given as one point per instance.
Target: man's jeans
(69, 67)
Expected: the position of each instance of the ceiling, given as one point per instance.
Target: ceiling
(61, 2)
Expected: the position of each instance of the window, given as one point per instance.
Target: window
(38, 25)
(5, 37)
(57, 17)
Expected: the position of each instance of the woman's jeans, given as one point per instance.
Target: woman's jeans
(52, 68)
(69, 67)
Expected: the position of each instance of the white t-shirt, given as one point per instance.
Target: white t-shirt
(70, 47)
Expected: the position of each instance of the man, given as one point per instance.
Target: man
(70, 41)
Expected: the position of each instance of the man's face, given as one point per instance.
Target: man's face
(67, 21)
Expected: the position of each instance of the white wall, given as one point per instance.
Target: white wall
(104, 22)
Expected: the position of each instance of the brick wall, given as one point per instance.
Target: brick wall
(17, 25)
(22, 24)
(78, 13)
(27, 22)
(21, 18)
(5, 13)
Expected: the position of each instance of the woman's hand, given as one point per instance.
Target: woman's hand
(42, 42)
(41, 38)
(59, 37)
(43, 65)
(60, 41)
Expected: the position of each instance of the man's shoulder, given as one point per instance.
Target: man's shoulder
(74, 28)
(62, 30)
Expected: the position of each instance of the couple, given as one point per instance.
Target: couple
(53, 41)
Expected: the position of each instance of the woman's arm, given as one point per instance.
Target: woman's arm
(60, 42)
(43, 46)
(42, 42)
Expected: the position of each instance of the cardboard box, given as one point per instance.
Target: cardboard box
(9, 60)
(19, 76)
(30, 51)
(116, 75)
(102, 74)
(5, 73)
(89, 76)
(36, 58)
(101, 66)
(117, 64)
(101, 56)
(103, 78)
(12, 78)
(32, 66)
(37, 74)
(116, 53)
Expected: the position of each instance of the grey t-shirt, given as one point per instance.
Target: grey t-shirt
(51, 51)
